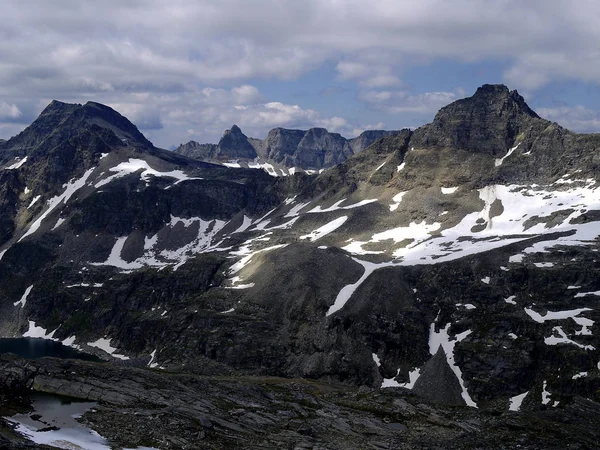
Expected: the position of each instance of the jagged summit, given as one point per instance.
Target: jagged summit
(312, 149)
(500, 95)
(487, 122)
(235, 144)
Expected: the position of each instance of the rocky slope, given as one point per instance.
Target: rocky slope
(170, 410)
(283, 151)
(457, 262)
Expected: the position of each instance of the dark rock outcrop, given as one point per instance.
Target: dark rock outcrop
(488, 122)
(438, 383)
(313, 149)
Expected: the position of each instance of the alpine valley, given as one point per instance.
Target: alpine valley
(428, 288)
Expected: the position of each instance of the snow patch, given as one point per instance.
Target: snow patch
(246, 222)
(18, 164)
(104, 344)
(450, 190)
(442, 339)
(134, 165)
(325, 229)
(516, 401)
(545, 394)
(563, 339)
(34, 201)
(39, 332)
(24, 297)
(70, 188)
(498, 162)
(376, 359)
(397, 199)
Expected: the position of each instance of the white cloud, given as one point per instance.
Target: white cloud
(375, 126)
(8, 111)
(155, 58)
(367, 74)
(575, 118)
(405, 102)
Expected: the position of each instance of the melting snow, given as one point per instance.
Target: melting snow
(68, 438)
(563, 339)
(442, 338)
(34, 201)
(235, 285)
(70, 342)
(376, 359)
(466, 305)
(24, 297)
(114, 259)
(511, 300)
(545, 394)
(397, 199)
(39, 332)
(380, 166)
(347, 291)
(413, 376)
(59, 222)
(336, 206)
(244, 226)
(516, 401)
(584, 294)
(580, 375)
(516, 258)
(450, 190)
(498, 162)
(555, 315)
(325, 229)
(18, 164)
(248, 255)
(104, 344)
(70, 188)
(151, 363)
(135, 165)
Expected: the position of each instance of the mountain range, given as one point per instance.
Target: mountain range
(283, 151)
(436, 289)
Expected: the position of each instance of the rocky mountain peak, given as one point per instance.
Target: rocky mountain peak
(498, 95)
(487, 122)
(235, 144)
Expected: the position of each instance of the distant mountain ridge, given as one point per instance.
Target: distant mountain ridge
(311, 149)
(456, 264)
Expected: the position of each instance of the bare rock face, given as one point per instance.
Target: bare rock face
(312, 149)
(488, 122)
(438, 383)
(195, 150)
(368, 137)
(234, 144)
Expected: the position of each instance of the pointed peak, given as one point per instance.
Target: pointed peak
(56, 105)
(498, 95)
(235, 129)
(487, 122)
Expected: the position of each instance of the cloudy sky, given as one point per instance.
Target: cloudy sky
(189, 69)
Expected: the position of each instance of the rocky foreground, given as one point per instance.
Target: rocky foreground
(142, 407)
